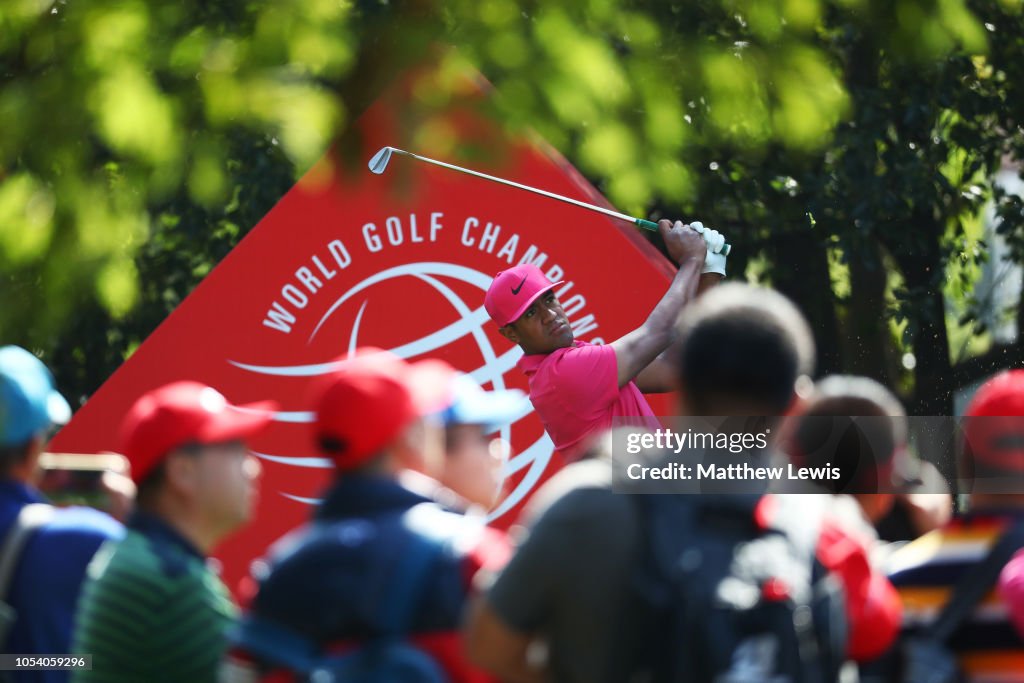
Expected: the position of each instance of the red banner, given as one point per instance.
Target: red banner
(400, 261)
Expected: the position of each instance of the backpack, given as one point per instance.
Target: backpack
(31, 517)
(925, 656)
(735, 600)
(389, 658)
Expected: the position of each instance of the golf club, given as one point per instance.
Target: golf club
(380, 161)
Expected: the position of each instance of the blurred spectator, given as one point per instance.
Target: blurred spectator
(96, 480)
(152, 609)
(121, 492)
(924, 506)
(925, 571)
(858, 425)
(742, 352)
(50, 567)
(382, 571)
(473, 460)
(1011, 590)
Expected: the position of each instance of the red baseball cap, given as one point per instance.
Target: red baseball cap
(513, 290)
(365, 405)
(994, 422)
(182, 413)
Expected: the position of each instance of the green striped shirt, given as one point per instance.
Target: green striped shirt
(151, 610)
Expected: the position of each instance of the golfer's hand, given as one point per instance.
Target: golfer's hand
(714, 262)
(683, 242)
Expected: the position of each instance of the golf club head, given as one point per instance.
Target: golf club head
(380, 160)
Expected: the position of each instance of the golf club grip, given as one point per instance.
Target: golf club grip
(651, 225)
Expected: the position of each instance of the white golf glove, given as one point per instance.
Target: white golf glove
(714, 262)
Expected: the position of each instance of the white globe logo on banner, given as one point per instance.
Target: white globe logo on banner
(469, 321)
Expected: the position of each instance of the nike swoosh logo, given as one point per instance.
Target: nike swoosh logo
(515, 290)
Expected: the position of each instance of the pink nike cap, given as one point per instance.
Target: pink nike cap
(513, 290)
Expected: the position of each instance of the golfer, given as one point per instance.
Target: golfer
(576, 387)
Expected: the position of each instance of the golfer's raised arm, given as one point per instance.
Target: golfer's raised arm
(636, 350)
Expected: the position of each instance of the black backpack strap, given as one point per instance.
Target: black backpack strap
(800, 518)
(975, 584)
(30, 518)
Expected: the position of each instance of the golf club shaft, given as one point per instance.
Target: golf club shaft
(649, 225)
(639, 222)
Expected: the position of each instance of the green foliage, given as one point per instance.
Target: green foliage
(616, 85)
(112, 107)
(845, 146)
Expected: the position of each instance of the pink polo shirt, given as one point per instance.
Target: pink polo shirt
(576, 392)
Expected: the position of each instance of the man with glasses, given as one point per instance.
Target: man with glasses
(152, 609)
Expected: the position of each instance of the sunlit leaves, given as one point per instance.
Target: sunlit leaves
(305, 130)
(509, 49)
(116, 286)
(110, 107)
(207, 180)
(497, 13)
(16, 14)
(616, 87)
(133, 117)
(736, 99)
(771, 20)
(114, 33)
(26, 219)
(665, 125)
(811, 99)
(802, 14)
(608, 147)
(640, 32)
(926, 29)
(437, 136)
(672, 179)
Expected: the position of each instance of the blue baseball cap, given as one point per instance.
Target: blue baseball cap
(472, 405)
(29, 402)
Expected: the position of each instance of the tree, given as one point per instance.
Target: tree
(114, 110)
(843, 144)
(886, 203)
